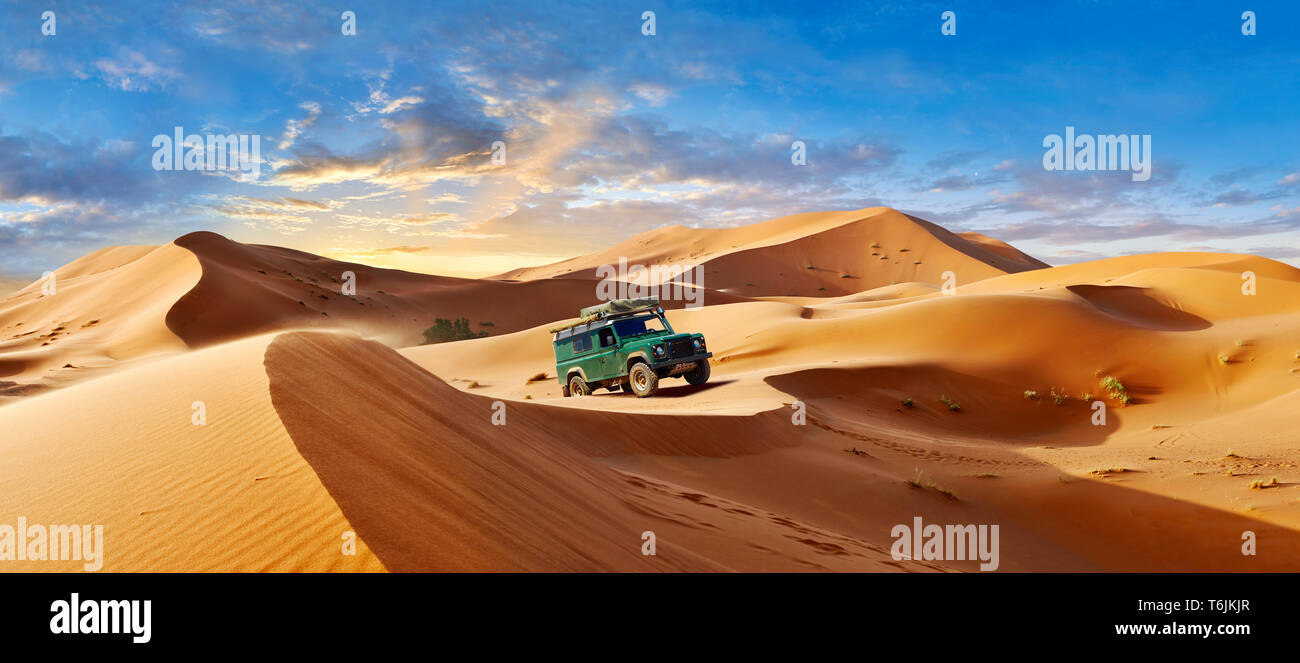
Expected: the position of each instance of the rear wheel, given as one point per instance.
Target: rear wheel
(577, 387)
(643, 379)
(699, 374)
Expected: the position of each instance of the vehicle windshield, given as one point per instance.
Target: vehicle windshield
(646, 324)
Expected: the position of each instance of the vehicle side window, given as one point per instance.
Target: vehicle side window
(606, 337)
(581, 343)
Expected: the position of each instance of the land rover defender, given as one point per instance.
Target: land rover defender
(626, 344)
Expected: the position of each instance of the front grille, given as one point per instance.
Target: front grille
(682, 348)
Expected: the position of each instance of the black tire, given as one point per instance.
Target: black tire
(627, 387)
(644, 381)
(699, 374)
(578, 387)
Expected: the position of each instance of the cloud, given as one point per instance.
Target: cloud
(957, 182)
(131, 71)
(1142, 228)
(1234, 197)
(40, 166)
(250, 24)
(1282, 212)
(695, 70)
(31, 59)
(386, 251)
(380, 102)
(399, 223)
(445, 198)
(283, 215)
(294, 128)
(443, 135)
(281, 203)
(654, 94)
(1235, 176)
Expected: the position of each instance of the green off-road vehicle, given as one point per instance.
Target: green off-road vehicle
(626, 344)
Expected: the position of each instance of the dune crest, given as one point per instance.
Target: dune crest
(820, 254)
(184, 463)
(249, 289)
(107, 308)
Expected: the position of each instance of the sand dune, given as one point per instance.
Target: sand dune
(231, 494)
(1193, 352)
(342, 424)
(106, 308)
(443, 488)
(248, 289)
(309, 436)
(124, 303)
(1160, 331)
(814, 254)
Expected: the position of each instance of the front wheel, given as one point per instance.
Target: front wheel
(644, 381)
(577, 387)
(699, 374)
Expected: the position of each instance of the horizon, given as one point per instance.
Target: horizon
(381, 147)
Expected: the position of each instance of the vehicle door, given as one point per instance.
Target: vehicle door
(606, 354)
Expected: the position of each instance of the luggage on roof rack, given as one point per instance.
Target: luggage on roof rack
(618, 307)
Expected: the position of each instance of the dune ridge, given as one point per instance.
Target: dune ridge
(107, 308)
(445, 489)
(172, 495)
(812, 254)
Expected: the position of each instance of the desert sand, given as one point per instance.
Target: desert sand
(323, 415)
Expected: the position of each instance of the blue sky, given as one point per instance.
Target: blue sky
(377, 147)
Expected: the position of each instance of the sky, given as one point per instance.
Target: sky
(378, 147)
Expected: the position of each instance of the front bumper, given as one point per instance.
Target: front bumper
(677, 361)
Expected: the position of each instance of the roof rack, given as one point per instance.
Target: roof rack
(616, 308)
(619, 308)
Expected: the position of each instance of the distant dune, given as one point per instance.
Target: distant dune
(975, 405)
(12, 284)
(108, 308)
(248, 289)
(816, 254)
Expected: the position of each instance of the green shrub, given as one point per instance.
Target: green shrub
(1059, 397)
(1112, 386)
(444, 330)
